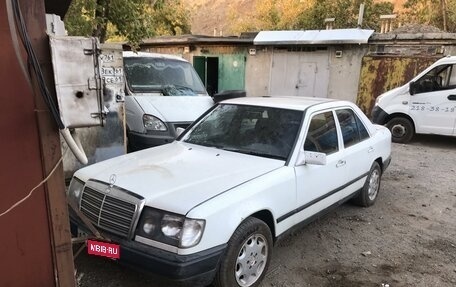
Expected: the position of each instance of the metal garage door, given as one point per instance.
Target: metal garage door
(303, 74)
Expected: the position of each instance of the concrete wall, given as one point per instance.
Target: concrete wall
(344, 71)
(344, 62)
(258, 72)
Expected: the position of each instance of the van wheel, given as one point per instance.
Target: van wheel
(369, 192)
(402, 129)
(247, 257)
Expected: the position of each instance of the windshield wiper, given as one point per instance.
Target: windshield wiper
(181, 87)
(255, 153)
(176, 90)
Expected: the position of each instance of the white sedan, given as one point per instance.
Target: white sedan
(210, 206)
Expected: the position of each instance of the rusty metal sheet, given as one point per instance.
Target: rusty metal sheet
(25, 242)
(108, 141)
(383, 73)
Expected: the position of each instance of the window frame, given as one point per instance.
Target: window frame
(337, 129)
(357, 122)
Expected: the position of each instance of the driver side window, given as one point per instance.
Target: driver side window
(322, 134)
(440, 78)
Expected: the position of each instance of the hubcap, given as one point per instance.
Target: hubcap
(374, 184)
(398, 131)
(251, 260)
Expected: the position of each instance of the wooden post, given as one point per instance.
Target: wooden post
(35, 21)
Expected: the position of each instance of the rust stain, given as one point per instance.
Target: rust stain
(383, 73)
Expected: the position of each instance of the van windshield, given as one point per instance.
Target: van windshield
(168, 76)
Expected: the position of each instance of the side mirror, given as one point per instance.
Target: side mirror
(412, 88)
(311, 157)
(179, 131)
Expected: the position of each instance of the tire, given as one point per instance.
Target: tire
(402, 129)
(238, 268)
(369, 192)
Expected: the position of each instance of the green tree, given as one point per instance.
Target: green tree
(438, 13)
(130, 20)
(346, 14)
(170, 17)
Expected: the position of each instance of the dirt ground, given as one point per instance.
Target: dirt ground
(408, 238)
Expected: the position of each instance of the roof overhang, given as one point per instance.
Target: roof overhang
(313, 37)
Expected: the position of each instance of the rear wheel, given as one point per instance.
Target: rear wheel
(371, 187)
(402, 129)
(247, 256)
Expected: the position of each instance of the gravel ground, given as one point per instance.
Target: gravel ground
(408, 238)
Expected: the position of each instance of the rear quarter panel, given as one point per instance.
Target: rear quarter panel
(382, 141)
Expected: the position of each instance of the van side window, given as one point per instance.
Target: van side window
(353, 130)
(440, 78)
(322, 134)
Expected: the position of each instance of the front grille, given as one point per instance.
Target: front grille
(107, 212)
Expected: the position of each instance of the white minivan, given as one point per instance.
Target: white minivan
(163, 93)
(425, 105)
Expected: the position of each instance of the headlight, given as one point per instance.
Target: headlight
(75, 190)
(168, 228)
(154, 124)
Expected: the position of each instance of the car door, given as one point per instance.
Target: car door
(358, 148)
(433, 101)
(319, 186)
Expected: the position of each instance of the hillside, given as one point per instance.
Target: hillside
(213, 16)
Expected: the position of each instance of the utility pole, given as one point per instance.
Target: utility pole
(443, 5)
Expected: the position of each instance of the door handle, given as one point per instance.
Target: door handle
(371, 149)
(452, 97)
(341, 163)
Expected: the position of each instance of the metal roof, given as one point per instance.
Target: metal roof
(336, 36)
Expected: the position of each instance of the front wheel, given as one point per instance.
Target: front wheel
(402, 129)
(247, 257)
(369, 192)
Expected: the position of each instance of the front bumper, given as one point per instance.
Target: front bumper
(378, 115)
(196, 269)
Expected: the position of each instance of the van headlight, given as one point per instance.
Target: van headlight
(154, 124)
(75, 190)
(169, 228)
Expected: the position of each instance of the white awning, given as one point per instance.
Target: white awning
(313, 37)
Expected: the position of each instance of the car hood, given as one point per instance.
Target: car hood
(177, 108)
(178, 176)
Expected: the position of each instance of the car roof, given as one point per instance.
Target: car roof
(131, 54)
(285, 102)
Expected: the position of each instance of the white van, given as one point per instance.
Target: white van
(425, 105)
(163, 93)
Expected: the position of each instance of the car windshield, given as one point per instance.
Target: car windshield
(168, 76)
(261, 131)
